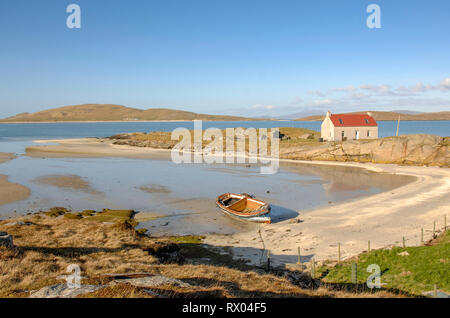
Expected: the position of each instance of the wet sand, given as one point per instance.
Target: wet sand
(154, 188)
(66, 181)
(12, 192)
(382, 218)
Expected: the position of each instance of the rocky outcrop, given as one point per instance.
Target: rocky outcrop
(6, 240)
(64, 291)
(417, 149)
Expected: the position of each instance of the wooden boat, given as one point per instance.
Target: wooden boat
(244, 207)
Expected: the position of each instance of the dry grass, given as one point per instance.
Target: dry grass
(293, 137)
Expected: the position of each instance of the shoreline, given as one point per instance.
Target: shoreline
(129, 121)
(12, 192)
(186, 120)
(383, 218)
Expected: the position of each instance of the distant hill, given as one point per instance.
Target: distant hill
(108, 112)
(383, 116)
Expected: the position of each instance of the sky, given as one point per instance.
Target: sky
(242, 57)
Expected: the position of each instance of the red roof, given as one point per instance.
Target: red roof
(352, 120)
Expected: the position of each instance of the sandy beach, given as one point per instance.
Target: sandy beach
(383, 218)
(11, 192)
(6, 156)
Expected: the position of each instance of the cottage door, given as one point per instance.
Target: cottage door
(357, 134)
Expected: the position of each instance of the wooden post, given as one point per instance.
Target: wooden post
(313, 268)
(398, 125)
(339, 252)
(421, 237)
(404, 245)
(435, 291)
(355, 273)
(445, 222)
(268, 260)
(299, 258)
(368, 246)
(434, 229)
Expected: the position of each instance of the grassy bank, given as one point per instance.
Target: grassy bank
(105, 245)
(411, 269)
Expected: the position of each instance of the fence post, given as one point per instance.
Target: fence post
(339, 252)
(445, 222)
(435, 291)
(313, 268)
(434, 229)
(368, 246)
(421, 237)
(355, 275)
(299, 258)
(404, 244)
(268, 260)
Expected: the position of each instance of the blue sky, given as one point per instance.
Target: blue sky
(251, 57)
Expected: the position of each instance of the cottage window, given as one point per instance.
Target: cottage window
(341, 122)
(367, 121)
(368, 133)
(342, 134)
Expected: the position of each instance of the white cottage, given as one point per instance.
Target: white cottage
(338, 127)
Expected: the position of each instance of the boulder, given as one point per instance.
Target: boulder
(6, 240)
(63, 291)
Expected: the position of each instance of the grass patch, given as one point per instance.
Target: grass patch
(187, 239)
(113, 216)
(73, 216)
(415, 273)
(56, 211)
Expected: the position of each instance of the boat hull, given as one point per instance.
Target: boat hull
(244, 208)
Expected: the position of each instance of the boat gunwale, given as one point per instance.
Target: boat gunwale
(263, 210)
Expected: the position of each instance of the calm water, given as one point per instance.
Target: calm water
(78, 130)
(187, 203)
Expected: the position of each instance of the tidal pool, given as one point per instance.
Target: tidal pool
(183, 195)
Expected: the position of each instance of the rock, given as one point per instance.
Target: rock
(416, 149)
(439, 294)
(6, 240)
(151, 281)
(18, 223)
(307, 136)
(405, 253)
(63, 291)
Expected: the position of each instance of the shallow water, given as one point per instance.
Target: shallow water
(183, 194)
(187, 201)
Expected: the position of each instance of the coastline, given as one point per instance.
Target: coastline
(187, 120)
(383, 218)
(130, 121)
(11, 192)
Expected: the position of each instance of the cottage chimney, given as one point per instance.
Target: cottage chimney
(328, 114)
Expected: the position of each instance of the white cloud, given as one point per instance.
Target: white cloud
(316, 93)
(349, 88)
(323, 102)
(445, 84)
(264, 107)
